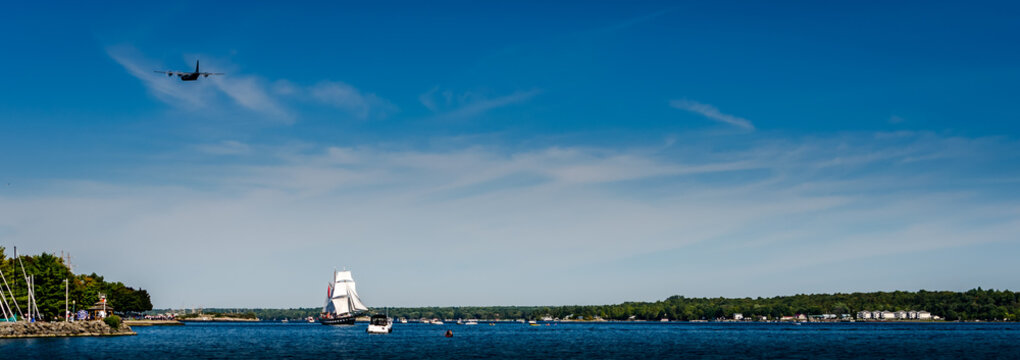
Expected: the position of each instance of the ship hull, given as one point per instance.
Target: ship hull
(339, 320)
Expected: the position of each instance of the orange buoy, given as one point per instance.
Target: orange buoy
(449, 333)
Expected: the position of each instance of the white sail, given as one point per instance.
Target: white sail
(356, 303)
(345, 296)
(340, 305)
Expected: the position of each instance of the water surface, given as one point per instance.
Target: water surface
(564, 340)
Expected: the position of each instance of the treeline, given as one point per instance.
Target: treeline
(50, 271)
(263, 314)
(216, 314)
(976, 304)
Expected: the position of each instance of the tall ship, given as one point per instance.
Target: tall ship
(342, 301)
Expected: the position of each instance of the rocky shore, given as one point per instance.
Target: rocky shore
(61, 329)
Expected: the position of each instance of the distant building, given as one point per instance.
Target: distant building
(900, 314)
(887, 315)
(801, 317)
(864, 314)
(924, 315)
(738, 316)
(876, 314)
(911, 314)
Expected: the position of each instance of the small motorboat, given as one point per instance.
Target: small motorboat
(380, 324)
(471, 322)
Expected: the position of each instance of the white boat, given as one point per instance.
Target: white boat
(403, 321)
(310, 319)
(342, 301)
(471, 322)
(380, 324)
(437, 322)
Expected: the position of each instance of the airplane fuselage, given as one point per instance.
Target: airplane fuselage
(188, 76)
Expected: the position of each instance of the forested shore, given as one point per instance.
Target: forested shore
(49, 273)
(976, 304)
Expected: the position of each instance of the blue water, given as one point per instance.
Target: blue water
(566, 340)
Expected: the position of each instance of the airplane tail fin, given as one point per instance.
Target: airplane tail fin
(196, 65)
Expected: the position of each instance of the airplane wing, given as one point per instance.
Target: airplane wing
(168, 73)
(207, 74)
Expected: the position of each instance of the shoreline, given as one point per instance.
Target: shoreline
(153, 323)
(217, 319)
(23, 330)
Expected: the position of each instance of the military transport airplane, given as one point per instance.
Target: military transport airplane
(188, 76)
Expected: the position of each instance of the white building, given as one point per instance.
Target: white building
(876, 314)
(912, 314)
(887, 315)
(738, 316)
(865, 314)
(923, 315)
(901, 314)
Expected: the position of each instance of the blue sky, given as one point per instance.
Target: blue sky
(457, 153)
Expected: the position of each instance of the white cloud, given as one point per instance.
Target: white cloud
(161, 87)
(562, 219)
(254, 94)
(711, 112)
(469, 104)
(344, 96)
(250, 93)
(226, 147)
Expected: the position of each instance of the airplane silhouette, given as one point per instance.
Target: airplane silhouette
(188, 76)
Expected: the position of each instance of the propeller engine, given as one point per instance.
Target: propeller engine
(169, 74)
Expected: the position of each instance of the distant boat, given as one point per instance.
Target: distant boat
(437, 322)
(310, 319)
(380, 324)
(664, 320)
(284, 321)
(342, 302)
(403, 321)
(471, 322)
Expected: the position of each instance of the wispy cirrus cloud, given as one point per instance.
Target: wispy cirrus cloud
(711, 112)
(164, 90)
(344, 96)
(468, 105)
(771, 206)
(250, 93)
(226, 147)
(272, 100)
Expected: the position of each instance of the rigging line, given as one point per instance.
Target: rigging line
(13, 299)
